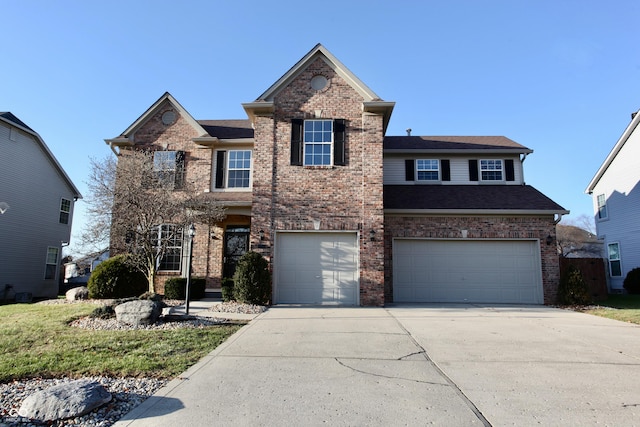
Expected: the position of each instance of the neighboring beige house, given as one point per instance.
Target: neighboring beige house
(347, 215)
(615, 189)
(36, 210)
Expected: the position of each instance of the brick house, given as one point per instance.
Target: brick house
(347, 215)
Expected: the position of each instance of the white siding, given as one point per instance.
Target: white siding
(394, 169)
(621, 186)
(33, 188)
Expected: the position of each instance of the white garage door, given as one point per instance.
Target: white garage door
(316, 268)
(467, 271)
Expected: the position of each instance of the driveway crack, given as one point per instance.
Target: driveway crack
(360, 371)
(449, 381)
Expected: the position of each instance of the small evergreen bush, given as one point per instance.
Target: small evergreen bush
(227, 289)
(252, 280)
(116, 278)
(573, 290)
(632, 281)
(176, 287)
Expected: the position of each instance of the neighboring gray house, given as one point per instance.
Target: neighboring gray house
(36, 209)
(615, 189)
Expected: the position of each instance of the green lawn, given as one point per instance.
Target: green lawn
(619, 307)
(36, 341)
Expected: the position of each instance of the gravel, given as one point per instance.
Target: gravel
(127, 393)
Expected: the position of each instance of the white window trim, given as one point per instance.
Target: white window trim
(47, 263)
(214, 170)
(182, 245)
(428, 181)
(619, 259)
(502, 171)
(304, 144)
(598, 206)
(62, 199)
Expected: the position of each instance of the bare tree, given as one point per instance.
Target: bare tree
(577, 236)
(144, 207)
(99, 202)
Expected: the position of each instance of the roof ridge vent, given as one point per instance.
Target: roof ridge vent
(408, 131)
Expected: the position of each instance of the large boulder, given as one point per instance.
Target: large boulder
(68, 400)
(139, 312)
(79, 293)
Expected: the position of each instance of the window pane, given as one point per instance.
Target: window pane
(239, 169)
(616, 269)
(614, 251)
(491, 170)
(318, 137)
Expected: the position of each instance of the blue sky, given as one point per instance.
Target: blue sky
(560, 77)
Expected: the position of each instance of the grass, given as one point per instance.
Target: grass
(625, 308)
(36, 341)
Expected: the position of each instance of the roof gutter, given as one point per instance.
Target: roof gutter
(472, 212)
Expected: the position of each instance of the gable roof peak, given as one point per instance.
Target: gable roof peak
(319, 51)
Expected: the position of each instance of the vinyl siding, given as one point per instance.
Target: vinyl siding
(394, 169)
(621, 186)
(33, 188)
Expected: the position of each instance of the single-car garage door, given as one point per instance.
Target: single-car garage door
(316, 268)
(480, 271)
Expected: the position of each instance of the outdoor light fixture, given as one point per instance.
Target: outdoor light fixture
(549, 239)
(372, 235)
(190, 233)
(261, 234)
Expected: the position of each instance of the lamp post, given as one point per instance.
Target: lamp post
(190, 233)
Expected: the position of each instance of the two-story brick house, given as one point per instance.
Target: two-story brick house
(347, 215)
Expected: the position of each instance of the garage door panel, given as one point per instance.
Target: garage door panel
(316, 268)
(466, 271)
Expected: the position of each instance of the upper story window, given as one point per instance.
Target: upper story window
(233, 169)
(428, 170)
(602, 206)
(318, 142)
(491, 170)
(65, 211)
(169, 167)
(615, 267)
(51, 264)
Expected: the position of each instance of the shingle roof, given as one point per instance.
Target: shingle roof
(9, 116)
(468, 197)
(227, 129)
(451, 143)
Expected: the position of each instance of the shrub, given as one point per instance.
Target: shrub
(175, 288)
(227, 289)
(103, 312)
(252, 280)
(632, 281)
(116, 278)
(573, 290)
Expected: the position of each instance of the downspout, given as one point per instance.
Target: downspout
(522, 159)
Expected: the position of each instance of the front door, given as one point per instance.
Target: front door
(236, 244)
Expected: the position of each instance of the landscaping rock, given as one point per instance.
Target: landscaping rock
(74, 294)
(72, 399)
(139, 312)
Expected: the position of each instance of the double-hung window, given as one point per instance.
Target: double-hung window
(615, 267)
(51, 263)
(318, 142)
(428, 170)
(602, 206)
(169, 167)
(233, 169)
(491, 170)
(168, 241)
(65, 211)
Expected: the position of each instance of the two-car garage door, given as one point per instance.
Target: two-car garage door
(467, 271)
(316, 268)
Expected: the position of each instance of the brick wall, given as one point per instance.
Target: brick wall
(478, 227)
(347, 197)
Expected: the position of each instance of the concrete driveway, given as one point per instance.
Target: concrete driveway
(455, 365)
